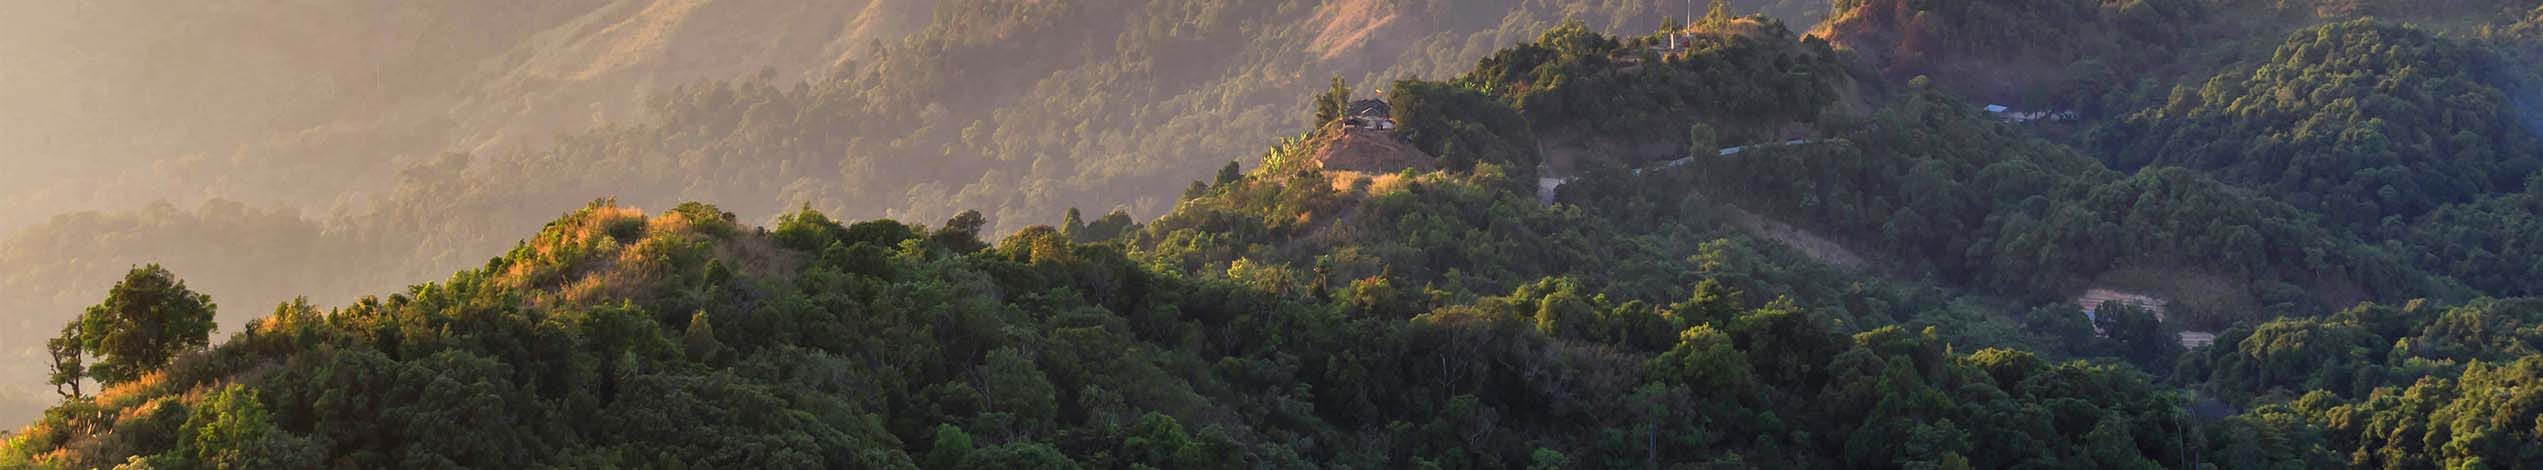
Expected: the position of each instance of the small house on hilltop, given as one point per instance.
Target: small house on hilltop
(1370, 113)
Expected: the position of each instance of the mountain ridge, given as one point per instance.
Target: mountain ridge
(1400, 315)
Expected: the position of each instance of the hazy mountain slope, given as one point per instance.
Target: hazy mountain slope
(593, 69)
(303, 104)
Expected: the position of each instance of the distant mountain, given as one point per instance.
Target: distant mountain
(304, 104)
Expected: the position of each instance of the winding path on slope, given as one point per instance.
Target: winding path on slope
(1819, 248)
(1833, 253)
(1547, 185)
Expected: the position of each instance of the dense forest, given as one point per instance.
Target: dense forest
(916, 110)
(2324, 125)
(617, 338)
(1646, 242)
(2379, 385)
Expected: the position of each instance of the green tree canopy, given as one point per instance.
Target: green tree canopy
(145, 322)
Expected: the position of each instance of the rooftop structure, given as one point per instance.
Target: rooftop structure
(1370, 113)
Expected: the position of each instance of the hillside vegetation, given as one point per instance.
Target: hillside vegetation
(2380, 386)
(614, 338)
(2356, 120)
(1581, 249)
(2039, 54)
(1019, 109)
(295, 105)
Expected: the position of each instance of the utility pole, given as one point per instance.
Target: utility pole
(1683, 25)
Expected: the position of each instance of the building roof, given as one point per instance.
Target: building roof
(1369, 107)
(1997, 108)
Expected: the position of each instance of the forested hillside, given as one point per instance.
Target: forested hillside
(2400, 134)
(2358, 120)
(617, 338)
(2226, 234)
(2021, 217)
(1221, 348)
(1019, 109)
(2385, 385)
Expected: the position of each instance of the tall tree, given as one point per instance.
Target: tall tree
(1702, 141)
(961, 233)
(1073, 225)
(1719, 15)
(699, 339)
(145, 322)
(1229, 174)
(1335, 100)
(68, 366)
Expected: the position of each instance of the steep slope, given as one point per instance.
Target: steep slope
(303, 103)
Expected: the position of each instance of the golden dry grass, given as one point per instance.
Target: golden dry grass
(610, 269)
(585, 290)
(1345, 181)
(585, 236)
(673, 222)
(1389, 183)
(125, 394)
(145, 408)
